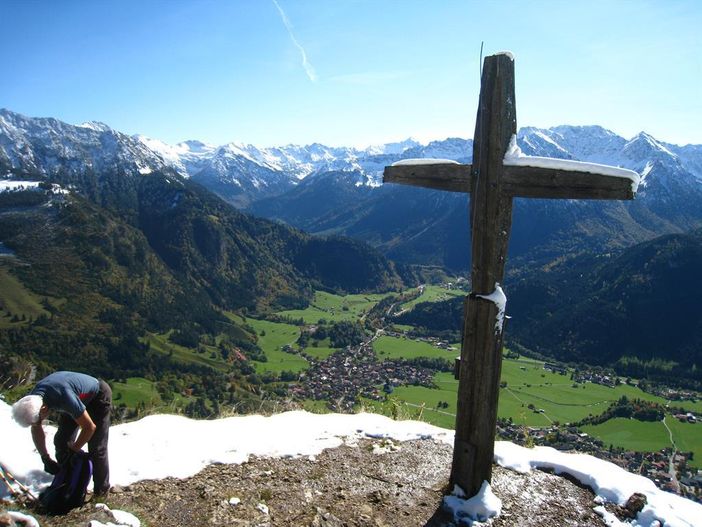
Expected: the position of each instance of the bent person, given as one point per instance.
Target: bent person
(84, 403)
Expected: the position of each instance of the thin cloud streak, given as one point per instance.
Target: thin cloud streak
(309, 69)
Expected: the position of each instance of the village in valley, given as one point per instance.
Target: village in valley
(353, 373)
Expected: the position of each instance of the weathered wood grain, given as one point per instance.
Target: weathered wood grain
(532, 182)
(454, 178)
(491, 220)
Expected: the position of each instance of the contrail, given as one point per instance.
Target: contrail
(308, 67)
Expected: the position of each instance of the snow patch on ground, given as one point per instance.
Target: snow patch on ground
(609, 481)
(481, 507)
(610, 519)
(23, 519)
(115, 518)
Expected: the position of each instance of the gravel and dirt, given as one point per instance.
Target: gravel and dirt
(373, 483)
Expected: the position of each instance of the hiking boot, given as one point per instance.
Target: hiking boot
(101, 494)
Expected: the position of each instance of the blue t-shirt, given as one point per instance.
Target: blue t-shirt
(67, 391)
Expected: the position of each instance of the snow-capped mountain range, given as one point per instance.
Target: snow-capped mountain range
(242, 173)
(42, 147)
(191, 157)
(583, 143)
(598, 145)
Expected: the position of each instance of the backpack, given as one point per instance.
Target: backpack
(67, 490)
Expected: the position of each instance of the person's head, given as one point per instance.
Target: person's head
(28, 410)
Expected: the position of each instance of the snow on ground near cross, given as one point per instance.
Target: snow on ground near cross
(159, 446)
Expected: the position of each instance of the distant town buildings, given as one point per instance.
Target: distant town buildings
(354, 372)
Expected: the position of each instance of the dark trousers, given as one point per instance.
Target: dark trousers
(99, 411)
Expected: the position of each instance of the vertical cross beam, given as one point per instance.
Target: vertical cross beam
(492, 185)
(491, 219)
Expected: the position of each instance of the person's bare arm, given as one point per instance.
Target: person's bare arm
(87, 429)
(39, 439)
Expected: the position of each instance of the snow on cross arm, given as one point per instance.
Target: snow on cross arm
(515, 157)
(424, 161)
(508, 54)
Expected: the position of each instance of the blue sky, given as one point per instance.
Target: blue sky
(350, 72)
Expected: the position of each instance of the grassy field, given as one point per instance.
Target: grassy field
(138, 390)
(335, 308)
(135, 390)
(272, 336)
(511, 404)
(397, 409)
(650, 436)
(688, 405)
(527, 384)
(434, 293)
(15, 299)
(159, 342)
(631, 434)
(687, 437)
(405, 348)
(559, 398)
(419, 397)
(315, 407)
(320, 352)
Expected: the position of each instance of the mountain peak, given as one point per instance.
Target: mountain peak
(591, 129)
(95, 125)
(238, 148)
(397, 147)
(645, 143)
(196, 147)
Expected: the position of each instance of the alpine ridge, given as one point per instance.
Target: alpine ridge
(337, 190)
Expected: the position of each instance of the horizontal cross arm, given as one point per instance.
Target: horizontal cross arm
(442, 176)
(540, 182)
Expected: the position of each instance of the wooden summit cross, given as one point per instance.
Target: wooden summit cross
(493, 180)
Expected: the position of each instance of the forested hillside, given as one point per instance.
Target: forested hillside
(637, 311)
(120, 257)
(431, 227)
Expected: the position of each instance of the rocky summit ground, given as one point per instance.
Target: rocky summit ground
(372, 483)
